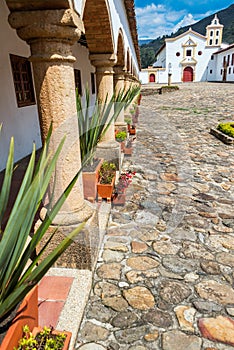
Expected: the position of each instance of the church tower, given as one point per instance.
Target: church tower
(214, 33)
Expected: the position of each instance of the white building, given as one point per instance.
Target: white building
(221, 65)
(192, 57)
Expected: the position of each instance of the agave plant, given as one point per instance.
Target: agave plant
(93, 125)
(20, 268)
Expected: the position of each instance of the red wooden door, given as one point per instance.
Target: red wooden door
(152, 78)
(188, 74)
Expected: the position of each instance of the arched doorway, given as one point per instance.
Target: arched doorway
(188, 74)
(152, 78)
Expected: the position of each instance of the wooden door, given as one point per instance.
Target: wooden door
(152, 78)
(188, 74)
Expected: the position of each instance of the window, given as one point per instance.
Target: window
(177, 54)
(216, 41)
(217, 32)
(221, 72)
(93, 89)
(211, 71)
(229, 70)
(224, 60)
(199, 53)
(189, 53)
(78, 84)
(22, 76)
(228, 60)
(211, 41)
(233, 59)
(212, 57)
(211, 33)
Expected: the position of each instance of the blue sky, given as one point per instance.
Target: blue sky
(155, 18)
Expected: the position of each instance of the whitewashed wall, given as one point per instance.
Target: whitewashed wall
(143, 76)
(120, 20)
(219, 65)
(22, 123)
(82, 63)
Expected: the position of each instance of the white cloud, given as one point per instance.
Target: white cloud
(157, 20)
(186, 21)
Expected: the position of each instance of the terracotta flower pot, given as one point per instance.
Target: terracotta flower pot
(128, 151)
(27, 314)
(119, 199)
(37, 330)
(132, 131)
(105, 190)
(90, 180)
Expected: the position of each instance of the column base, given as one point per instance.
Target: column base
(83, 252)
(69, 217)
(110, 151)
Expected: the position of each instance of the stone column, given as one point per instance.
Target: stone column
(50, 34)
(128, 84)
(119, 83)
(108, 149)
(127, 80)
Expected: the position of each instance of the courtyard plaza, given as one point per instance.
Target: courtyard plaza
(164, 277)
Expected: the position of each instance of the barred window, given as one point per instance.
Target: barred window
(78, 84)
(93, 89)
(23, 83)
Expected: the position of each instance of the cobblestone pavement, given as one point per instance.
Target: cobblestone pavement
(164, 279)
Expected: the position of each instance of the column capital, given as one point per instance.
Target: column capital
(50, 33)
(101, 60)
(119, 73)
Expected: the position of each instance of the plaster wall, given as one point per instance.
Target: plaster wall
(219, 65)
(82, 63)
(143, 76)
(120, 20)
(161, 58)
(22, 123)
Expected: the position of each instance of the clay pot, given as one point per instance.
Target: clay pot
(27, 314)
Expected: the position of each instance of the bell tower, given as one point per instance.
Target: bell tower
(214, 33)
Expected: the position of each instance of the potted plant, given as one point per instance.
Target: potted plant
(119, 195)
(106, 180)
(92, 127)
(120, 137)
(132, 130)
(128, 121)
(20, 267)
(43, 339)
(128, 148)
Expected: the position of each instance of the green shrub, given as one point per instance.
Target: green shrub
(121, 136)
(170, 87)
(107, 172)
(45, 339)
(227, 128)
(20, 268)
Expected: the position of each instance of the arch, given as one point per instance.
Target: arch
(98, 27)
(152, 78)
(128, 61)
(120, 50)
(188, 74)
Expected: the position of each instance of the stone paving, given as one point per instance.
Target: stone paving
(164, 278)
